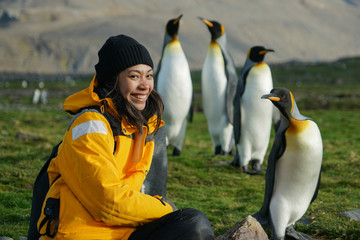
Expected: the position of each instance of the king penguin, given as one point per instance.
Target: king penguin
(252, 117)
(173, 83)
(218, 86)
(294, 167)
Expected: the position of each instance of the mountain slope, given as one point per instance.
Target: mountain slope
(64, 36)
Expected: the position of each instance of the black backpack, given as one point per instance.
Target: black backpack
(41, 187)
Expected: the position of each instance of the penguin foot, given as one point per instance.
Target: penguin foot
(256, 166)
(292, 234)
(176, 152)
(254, 170)
(218, 150)
(247, 171)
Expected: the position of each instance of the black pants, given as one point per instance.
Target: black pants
(187, 224)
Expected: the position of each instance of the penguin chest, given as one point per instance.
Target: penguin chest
(174, 79)
(213, 80)
(297, 171)
(255, 112)
(258, 82)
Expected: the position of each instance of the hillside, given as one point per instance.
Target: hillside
(64, 36)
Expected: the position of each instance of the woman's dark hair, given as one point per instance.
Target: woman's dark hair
(127, 112)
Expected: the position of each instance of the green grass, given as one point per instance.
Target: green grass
(226, 195)
(328, 93)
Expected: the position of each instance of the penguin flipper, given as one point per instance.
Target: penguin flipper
(191, 110)
(230, 94)
(276, 152)
(232, 81)
(240, 88)
(237, 116)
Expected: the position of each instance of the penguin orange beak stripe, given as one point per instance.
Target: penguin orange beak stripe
(265, 51)
(207, 22)
(178, 19)
(275, 99)
(272, 98)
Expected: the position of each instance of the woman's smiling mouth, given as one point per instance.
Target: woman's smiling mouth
(140, 97)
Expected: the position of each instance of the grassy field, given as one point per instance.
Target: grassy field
(328, 93)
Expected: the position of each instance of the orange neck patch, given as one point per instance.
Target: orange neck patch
(297, 126)
(260, 64)
(175, 39)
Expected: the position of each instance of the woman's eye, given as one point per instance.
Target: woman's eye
(150, 76)
(133, 76)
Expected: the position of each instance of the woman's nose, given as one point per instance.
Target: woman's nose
(145, 83)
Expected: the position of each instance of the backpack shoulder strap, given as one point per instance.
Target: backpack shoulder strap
(114, 124)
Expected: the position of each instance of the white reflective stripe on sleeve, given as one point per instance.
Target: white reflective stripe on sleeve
(93, 126)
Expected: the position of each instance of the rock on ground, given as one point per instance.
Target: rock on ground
(9, 238)
(249, 228)
(354, 215)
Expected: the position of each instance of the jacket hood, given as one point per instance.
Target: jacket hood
(85, 98)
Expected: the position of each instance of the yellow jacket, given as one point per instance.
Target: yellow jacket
(99, 187)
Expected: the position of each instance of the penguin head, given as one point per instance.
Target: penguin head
(257, 53)
(283, 99)
(216, 29)
(172, 26)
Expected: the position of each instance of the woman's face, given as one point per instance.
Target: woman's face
(136, 84)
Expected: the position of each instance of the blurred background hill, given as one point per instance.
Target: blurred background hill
(63, 36)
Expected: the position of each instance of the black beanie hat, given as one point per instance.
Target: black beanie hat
(118, 53)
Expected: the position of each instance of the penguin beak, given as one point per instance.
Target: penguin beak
(208, 23)
(270, 97)
(263, 52)
(178, 19)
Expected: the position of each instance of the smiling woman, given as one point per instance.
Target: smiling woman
(106, 154)
(136, 84)
(124, 73)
